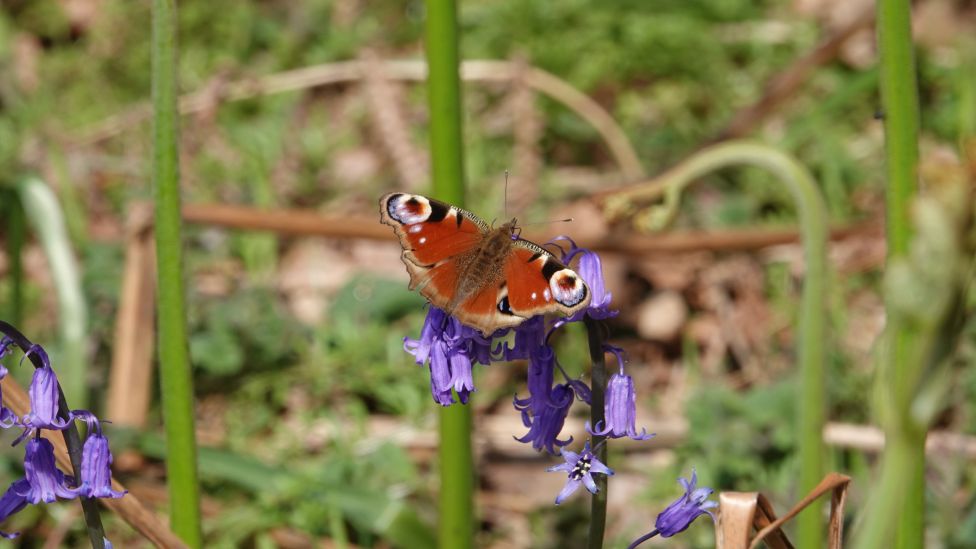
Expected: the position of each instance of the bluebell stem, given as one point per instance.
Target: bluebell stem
(580, 469)
(621, 406)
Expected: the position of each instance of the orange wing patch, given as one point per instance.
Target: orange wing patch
(481, 311)
(528, 289)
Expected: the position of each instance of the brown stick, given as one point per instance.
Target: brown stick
(130, 382)
(128, 507)
(309, 223)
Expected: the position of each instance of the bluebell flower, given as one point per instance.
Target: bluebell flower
(529, 336)
(46, 482)
(544, 411)
(691, 505)
(13, 500)
(449, 348)
(580, 469)
(545, 426)
(620, 407)
(581, 389)
(96, 462)
(680, 514)
(44, 398)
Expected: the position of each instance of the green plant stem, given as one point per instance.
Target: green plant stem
(903, 470)
(93, 521)
(43, 212)
(456, 501)
(811, 400)
(598, 379)
(176, 382)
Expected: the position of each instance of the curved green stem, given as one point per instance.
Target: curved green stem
(813, 229)
(44, 215)
(456, 500)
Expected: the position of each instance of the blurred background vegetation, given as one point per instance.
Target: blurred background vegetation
(314, 424)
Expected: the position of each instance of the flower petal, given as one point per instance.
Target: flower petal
(12, 502)
(568, 489)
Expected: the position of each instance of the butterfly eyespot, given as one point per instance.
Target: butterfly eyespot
(409, 209)
(504, 307)
(567, 288)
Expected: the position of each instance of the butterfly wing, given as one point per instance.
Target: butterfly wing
(432, 234)
(534, 283)
(538, 283)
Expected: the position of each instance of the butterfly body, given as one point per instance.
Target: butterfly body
(486, 277)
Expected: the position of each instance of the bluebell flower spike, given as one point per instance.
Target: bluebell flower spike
(43, 482)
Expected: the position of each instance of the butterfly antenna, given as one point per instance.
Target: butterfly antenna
(567, 220)
(505, 205)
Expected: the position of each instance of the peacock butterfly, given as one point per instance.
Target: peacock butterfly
(486, 277)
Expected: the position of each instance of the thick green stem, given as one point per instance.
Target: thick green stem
(176, 382)
(44, 214)
(456, 526)
(598, 380)
(903, 469)
(811, 400)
